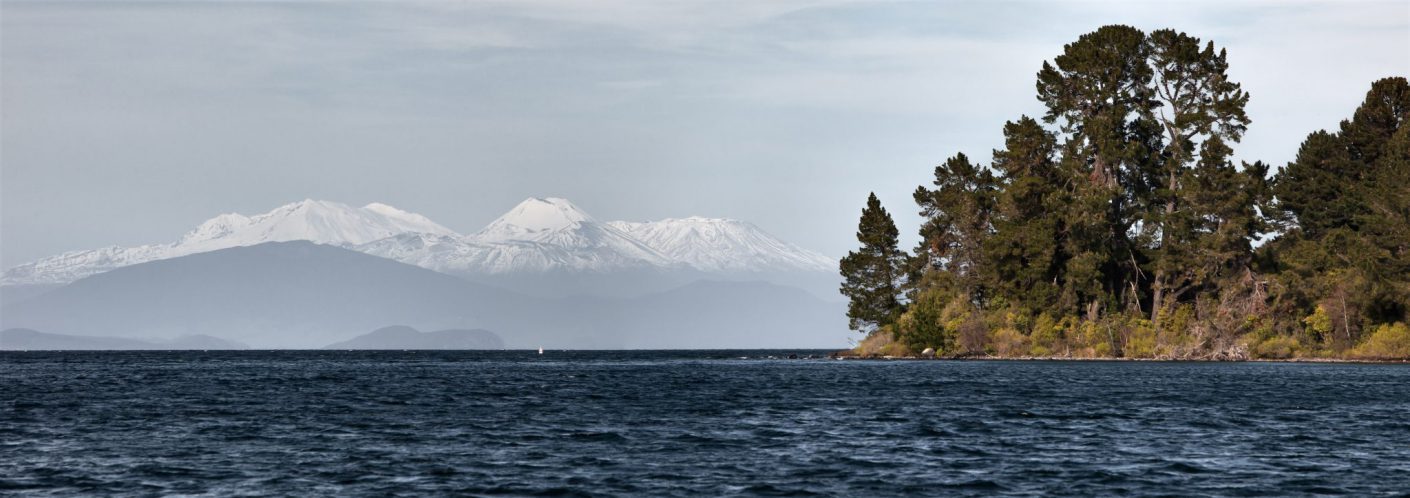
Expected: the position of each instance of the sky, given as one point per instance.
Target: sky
(126, 123)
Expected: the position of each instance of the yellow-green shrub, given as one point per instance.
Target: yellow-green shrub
(1175, 324)
(1046, 337)
(1009, 342)
(1388, 342)
(1140, 339)
(1276, 348)
(1319, 322)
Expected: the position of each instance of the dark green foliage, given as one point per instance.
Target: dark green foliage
(1313, 189)
(1370, 130)
(1200, 111)
(957, 215)
(1099, 92)
(1024, 257)
(1344, 203)
(929, 322)
(872, 274)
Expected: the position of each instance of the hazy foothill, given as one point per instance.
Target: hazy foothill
(1116, 225)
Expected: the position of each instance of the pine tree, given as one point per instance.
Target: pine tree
(1316, 191)
(1099, 93)
(1024, 257)
(1345, 253)
(1197, 106)
(872, 275)
(1376, 121)
(1213, 232)
(957, 220)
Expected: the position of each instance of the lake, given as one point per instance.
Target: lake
(664, 423)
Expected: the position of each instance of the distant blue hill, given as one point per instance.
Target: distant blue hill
(403, 337)
(33, 340)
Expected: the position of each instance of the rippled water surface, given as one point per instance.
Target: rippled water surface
(691, 423)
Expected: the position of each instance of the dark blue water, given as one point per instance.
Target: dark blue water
(691, 423)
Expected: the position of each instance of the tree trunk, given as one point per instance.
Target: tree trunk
(1159, 284)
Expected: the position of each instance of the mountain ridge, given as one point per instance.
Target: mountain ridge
(537, 236)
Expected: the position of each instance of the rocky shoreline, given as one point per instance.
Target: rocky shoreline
(851, 355)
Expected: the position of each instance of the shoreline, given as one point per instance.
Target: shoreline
(847, 355)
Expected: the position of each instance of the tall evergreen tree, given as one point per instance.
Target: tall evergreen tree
(1376, 121)
(1024, 257)
(956, 214)
(1332, 181)
(1197, 105)
(872, 275)
(1099, 93)
(1314, 191)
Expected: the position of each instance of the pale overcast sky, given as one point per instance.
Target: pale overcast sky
(129, 123)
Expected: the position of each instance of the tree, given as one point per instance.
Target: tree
(956, 214)
(1345, 208)
(1314, 190)
(1099, 94)
(1024, 257)
(1200, 110)
(872, 275)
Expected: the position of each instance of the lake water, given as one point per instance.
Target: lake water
(691, 423)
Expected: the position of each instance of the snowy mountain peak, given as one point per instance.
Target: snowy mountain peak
(553, 234)
(723, 245)
(322, 222)
(327, 222)
(416, 222)
(536, 215)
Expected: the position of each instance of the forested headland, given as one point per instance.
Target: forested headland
(1117, 225)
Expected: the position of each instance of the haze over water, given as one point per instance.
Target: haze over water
(670, 423)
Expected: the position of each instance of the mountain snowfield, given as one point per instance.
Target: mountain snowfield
(315, 221)
(723, 245)
(540, 235)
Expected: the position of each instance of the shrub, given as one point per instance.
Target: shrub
(1009, 342)
(1276, 348)
(1388, 342)
(1046, 336)
(1173, 338)
(881, 342)
(1140, 339)
(924, 324)
(1319, 323)
(1098, 335)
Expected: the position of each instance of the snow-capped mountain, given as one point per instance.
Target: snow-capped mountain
(316, 221)
(723, 245)
(538, 236)
(553, 234)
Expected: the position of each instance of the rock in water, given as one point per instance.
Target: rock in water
(929, 352)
